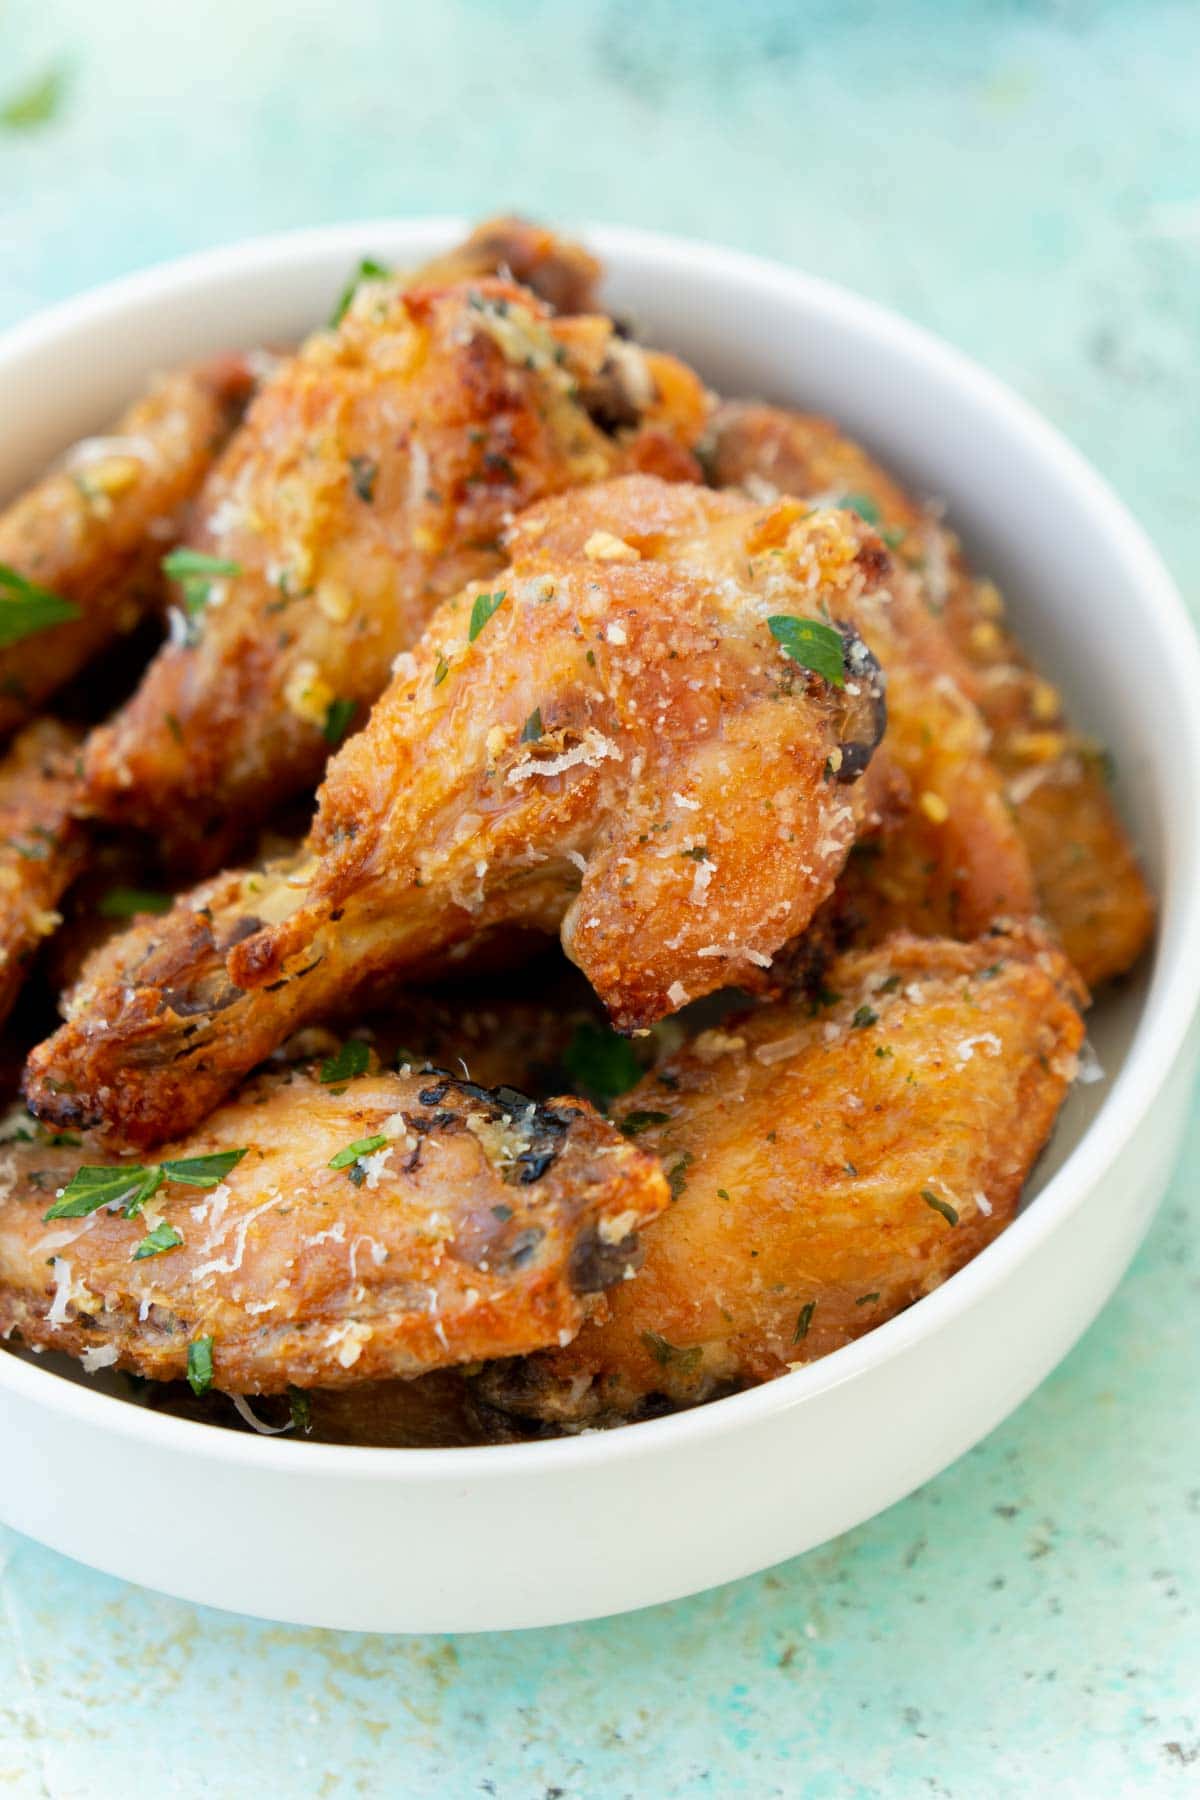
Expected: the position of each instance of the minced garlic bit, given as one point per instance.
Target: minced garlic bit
(934, 807)
(334, 601)
(308, 695)
(605, 546)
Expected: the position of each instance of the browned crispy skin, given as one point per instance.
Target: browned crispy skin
(94, 530)
(807, 1152)
(42, 845)
(371, 478)
(558, 271)
(1090, 886)
(622, 751)
(485, 1226)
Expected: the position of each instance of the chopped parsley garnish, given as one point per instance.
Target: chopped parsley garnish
(866, 1299)
(195, 572)
(600, 1063)
(990, 973)
(36, 104)
(337, 720)
(200, 1365)
(364, 473)
(634, 1123)
(352, 1059)
(698, 853)
(889, 986)
(163, 1237)
(804, 1321)
(130, 1185)
(127, 1185)
(301, 1409)
(125, 902)
(677, 1177)
(26, 609)
(939, 1205)
(864, 1016)
(811, 644)
(531, 730)
(203, 1171)
(722, 1194)
(485, 605)
(666, 1353)
(863, 505)
(441, 672)
(360, 1147)
(367, 270)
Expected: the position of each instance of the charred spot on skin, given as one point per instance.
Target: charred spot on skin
(546, 1127)
(864, 719)
(596, 1265)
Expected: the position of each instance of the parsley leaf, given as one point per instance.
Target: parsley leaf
(600, 1063)
(863, 505)
(26, 609)
(531, 730)
(803, 1322)
(441, 671)
(666, 1353)
(337, 720)
(163, 1237)
(364, 473)
(200, 1365)
(352, 1059)
(125, 902)
(37, 104)
(195, 572)
(811, 644)
(864, 1016)
(635, 1123)
(939, 1205)
(301, 1409)
(485, 605)
(127, 1184)
(360, 1147)
(367, 270)
(203, 1171)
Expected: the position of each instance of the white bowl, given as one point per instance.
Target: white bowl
(536, 1534)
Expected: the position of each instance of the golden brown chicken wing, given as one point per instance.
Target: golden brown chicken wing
(42, 845)
(615, 738)
(829, 1165)
(1088, 879)
(326, 1227)
(560, 272)
(80, 551)
(372, 478)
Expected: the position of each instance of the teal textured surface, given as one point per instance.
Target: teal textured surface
(1024, 179)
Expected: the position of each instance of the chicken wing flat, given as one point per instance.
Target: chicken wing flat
(829, 1166)
(325, 1228)
(371, 479)
(1090, 886)
(42, 845)
(612, 740)
(560, 272)
(80, 552)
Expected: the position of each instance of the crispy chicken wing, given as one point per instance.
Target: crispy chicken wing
(560, 272)
(92, 533)
(376, 1225)
(1090, 885)
(829, 1166)
(371, 479)
(611, 741)
(42, 845)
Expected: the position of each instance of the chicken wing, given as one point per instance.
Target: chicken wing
(371, 479)
(350, 1226)
(560, 272)
(829, 1166)
(614, 740)
(80, 552)
(42, 845)
(1090, 886)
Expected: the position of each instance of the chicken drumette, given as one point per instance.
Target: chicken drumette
(619, 738)
(371, 478)
(831, 1160)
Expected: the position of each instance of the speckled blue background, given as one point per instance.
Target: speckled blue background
(1025, 179)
